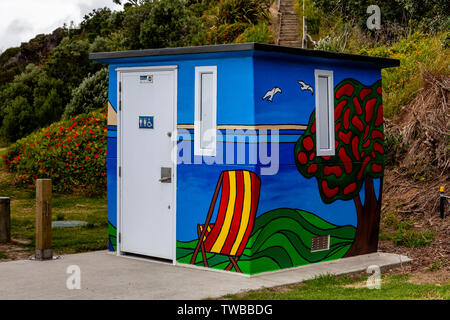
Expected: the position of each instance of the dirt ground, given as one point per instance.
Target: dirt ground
(15, 250)
(430, 263)
(405, 199)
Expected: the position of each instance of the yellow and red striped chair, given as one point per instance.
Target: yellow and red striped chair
(235, 217)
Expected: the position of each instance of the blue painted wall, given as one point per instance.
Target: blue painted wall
(243, 79)
(294, 106)
(235, 102)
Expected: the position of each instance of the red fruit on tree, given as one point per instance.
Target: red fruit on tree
(359, 157)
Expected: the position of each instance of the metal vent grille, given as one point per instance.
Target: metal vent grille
(320, 243)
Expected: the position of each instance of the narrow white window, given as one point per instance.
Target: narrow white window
(324, 113)
(205, 125)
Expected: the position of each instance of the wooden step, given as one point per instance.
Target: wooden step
(290, 37)
(289, 25)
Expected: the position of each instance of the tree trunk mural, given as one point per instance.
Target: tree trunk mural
(368, 215)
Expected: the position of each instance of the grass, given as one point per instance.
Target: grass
(67, 207)
(438, 265)
(402, 232)
(327, 287)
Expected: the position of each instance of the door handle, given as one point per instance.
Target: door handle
(166, 175)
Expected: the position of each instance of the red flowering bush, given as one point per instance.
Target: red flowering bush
(72, 153)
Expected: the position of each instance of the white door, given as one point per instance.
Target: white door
(147, 173)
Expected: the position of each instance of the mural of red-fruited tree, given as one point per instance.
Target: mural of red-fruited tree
(359, 158)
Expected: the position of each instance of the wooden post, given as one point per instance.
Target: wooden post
(44, 219)
(5, 220)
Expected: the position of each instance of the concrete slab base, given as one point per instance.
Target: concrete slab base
(105, 276)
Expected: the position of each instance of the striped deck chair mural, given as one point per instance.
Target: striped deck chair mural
(229, 234)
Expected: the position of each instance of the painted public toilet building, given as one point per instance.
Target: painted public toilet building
(244, 157)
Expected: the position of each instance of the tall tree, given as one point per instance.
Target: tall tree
(359, 158)
(131, 2)
(70, 62)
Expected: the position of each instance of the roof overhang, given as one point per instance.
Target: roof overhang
(269, 48)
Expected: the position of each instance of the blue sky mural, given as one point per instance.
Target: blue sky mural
(293, 105)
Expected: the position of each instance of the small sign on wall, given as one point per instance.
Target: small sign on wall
(146, 122)
(146, 78)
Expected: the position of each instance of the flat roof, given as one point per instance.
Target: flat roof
(382, 62)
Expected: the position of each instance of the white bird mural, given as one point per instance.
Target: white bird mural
(305, 86)
(271, 93)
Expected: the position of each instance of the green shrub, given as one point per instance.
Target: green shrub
(226, 33)
(101, 23)
(164, 23)
(413, 238)
(429, 15)
(134, 17)
(334, 43)
(245, 11)
(256, 33)
(169, 24)
(33, 100)
(92, 94)
(72, 153)
(438, 264)
(100, 44)
(69, 62)
(405, 234)
(394, 148)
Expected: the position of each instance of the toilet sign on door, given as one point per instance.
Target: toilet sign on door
(146, 122)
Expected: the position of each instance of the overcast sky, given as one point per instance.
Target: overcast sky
(21, 20)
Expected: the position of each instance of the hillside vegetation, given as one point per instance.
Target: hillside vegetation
(41, 80)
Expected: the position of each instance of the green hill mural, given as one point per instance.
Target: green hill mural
(112, 237)
(281, 239)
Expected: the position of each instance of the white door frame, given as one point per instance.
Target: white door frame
(174, 139)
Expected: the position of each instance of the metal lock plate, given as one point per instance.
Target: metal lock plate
(166, 175)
